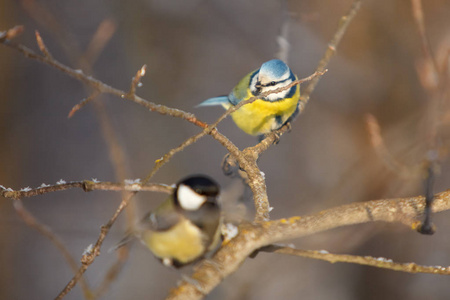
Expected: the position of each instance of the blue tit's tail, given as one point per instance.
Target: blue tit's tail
(222, 100)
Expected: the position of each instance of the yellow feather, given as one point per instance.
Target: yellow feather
(259, 117)
(183, 242)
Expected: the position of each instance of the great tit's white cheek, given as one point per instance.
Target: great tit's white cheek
(188, 199)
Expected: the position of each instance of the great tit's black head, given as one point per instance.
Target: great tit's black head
(192, 192)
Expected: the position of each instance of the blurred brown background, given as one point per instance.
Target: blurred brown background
(194, 50)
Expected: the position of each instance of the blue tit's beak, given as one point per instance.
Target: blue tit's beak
(258, 88)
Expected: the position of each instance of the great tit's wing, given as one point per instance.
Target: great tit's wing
(207, 218)
(162, 218)
(221, 100)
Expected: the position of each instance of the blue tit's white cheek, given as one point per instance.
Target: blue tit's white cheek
(280, 95)
(188, 198)
(253, 82)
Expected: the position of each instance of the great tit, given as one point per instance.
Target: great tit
(267, 113)
(186, 226)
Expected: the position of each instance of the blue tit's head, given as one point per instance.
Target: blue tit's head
(272, 75)
(273, 70)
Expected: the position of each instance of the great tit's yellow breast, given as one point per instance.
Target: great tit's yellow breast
(260, 116)
(183, 242)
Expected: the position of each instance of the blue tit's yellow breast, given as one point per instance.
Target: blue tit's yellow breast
(183, 242)
(262, 116)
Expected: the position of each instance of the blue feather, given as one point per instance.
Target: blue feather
(215, 101)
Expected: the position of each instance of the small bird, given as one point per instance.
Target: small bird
(184, 227)
(270, 112)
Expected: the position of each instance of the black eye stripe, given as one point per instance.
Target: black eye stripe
(273, 83)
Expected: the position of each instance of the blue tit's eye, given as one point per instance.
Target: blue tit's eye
(272, 83)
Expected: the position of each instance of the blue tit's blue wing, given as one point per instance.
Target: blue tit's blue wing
(221, 100)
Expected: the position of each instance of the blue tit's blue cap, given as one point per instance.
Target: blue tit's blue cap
(274, 68)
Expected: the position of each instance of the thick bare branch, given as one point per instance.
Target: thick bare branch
(254, 236)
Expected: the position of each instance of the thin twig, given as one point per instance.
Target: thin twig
(331, 50)
(87, 186)
(102, 87)
(378, 262)
(41, 45)
(137, 80)
(80, 105)
(385, 155)
(11, 33)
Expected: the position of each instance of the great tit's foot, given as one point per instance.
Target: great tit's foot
(193, 282)
(230, 166)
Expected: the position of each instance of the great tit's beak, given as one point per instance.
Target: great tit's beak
(211, 200)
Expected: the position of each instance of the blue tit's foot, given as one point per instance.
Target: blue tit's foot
(288, 126)
(277, 137)
(263, 136)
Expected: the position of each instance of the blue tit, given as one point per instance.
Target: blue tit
(267, 113)
(186, 226)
